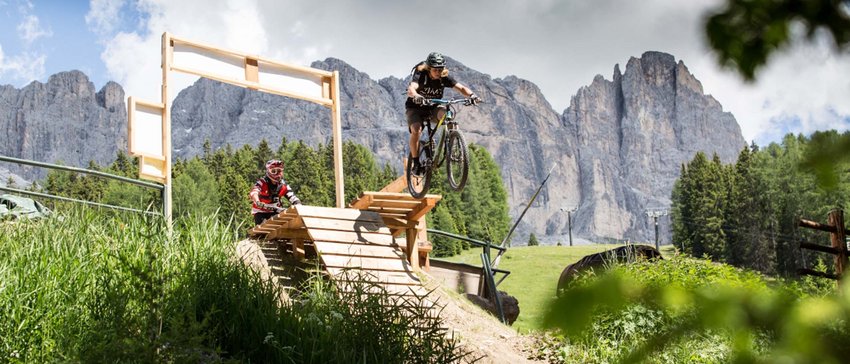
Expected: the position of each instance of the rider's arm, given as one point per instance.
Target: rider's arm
(411, 89)
(466, 91)
(255, 194)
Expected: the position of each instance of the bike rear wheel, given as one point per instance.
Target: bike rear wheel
(418, 186)
(457, 160)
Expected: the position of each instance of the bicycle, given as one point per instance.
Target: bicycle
(451, 149)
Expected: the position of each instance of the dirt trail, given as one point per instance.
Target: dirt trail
(476, 329)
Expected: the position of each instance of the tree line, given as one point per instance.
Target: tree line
(219, 180)
(746, 214)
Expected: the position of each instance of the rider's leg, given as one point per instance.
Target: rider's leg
(439, 112)
(414, 125)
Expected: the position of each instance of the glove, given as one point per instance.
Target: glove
(295, 201)
(474, 99)
(419, 100)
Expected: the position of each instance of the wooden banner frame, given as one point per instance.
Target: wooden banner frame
(256, 73)
(152, 158)
(240, 69)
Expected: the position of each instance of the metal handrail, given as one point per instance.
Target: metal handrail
(37, 194)
(467, 239)
(81, 170)
(487, 271)
(159, 187)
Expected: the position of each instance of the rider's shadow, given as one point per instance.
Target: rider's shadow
(362, 223)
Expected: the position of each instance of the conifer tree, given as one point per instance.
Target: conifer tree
(532, 240)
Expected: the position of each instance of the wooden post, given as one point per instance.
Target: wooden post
(336, 122)
(836, 219)
(166, 117)
(298, 249)
(837, 235)
(412, 252)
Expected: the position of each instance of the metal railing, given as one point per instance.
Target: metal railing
(488, 271)
(156, 186)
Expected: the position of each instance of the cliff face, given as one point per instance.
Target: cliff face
(64, 120)
(634, 132)
(616, 150)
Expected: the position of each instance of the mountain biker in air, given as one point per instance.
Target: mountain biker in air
(428, 80)
(267, 192)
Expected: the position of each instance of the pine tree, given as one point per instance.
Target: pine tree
(264, 154)
(196, 191)
(532, 240)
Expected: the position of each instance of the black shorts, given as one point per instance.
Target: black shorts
(417, 115)
(262, 216)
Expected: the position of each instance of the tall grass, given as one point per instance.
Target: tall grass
(102, 288)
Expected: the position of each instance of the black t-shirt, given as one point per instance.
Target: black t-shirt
(429, 88)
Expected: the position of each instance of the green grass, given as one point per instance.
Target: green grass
(534, 275)
(103, 288)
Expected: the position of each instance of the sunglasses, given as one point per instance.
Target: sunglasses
(438, 69)
(276, 170)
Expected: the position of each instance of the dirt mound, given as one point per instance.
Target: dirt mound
(477, 330)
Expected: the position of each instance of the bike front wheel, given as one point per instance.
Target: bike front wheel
(457, 160)
(417, 185)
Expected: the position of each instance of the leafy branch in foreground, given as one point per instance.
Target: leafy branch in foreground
(761, 324)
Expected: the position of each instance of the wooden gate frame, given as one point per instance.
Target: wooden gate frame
(257, 70)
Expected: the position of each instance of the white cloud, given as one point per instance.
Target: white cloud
(559, 45)
(30, 29)
(104, 15)
(24, 67)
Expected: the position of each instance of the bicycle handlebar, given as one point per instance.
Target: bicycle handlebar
(465, 101)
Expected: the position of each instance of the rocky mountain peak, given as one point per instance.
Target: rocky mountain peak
(617, 147)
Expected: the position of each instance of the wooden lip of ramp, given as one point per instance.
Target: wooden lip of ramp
(356, 244)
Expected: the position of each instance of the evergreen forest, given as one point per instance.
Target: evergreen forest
(220, 181)
(746, 214)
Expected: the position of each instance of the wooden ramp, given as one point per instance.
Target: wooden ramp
(354, 244)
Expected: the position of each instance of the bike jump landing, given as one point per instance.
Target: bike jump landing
(359, 241)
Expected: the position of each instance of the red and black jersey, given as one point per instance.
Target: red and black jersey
(270, 193)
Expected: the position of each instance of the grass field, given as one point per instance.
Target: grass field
(534, 275)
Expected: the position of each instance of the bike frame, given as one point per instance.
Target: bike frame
(447, 121)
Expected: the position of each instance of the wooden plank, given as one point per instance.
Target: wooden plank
(400, 292)
(390, 210)
(346, 225)
(398, 203)
(337, 213)
(344, 275)
(397, 223)
(361, 202)
(396, 186)
(364, 263)
(289, 234)
(351, 236)
(427, 205)
(375, 251)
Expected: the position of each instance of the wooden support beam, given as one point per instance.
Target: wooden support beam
(817, 226)
(811, 272)
(298, 249)
(426, 205)
(820, 248)
(838, 239)
(412, 251)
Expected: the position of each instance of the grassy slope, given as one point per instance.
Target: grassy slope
(534, 275)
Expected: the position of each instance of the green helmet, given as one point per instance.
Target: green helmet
(435, 60)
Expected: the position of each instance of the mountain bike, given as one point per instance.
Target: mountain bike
(451, 149)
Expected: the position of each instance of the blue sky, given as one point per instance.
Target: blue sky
(560, 45)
